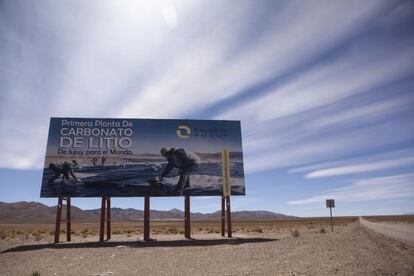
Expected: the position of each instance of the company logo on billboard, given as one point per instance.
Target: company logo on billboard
(183, 132)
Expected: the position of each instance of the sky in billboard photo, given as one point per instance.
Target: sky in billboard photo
(324, 93)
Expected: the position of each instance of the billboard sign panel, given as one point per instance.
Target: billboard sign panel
(92, 157)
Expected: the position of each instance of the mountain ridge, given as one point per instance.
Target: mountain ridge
(35, 212)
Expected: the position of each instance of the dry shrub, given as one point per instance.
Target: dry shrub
(295, 233)
(322, 231)
(84, 233)
(172, 230)
(257, 230)
(3, 234)
(117, 232)
(35, 273)
(38, 237)
(156, 231)
(181, 232)
(210, 230)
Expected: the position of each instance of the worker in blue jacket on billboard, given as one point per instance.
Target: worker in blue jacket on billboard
(184, 161)
(65, 169)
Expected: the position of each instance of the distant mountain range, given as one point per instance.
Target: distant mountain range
(34, 212)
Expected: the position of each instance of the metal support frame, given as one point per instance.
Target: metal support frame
(223, 216)
(105, 216)
(108, 217)
(59, 218)
(187, 218)
(229, 231)
(147, 218)
(68, 220)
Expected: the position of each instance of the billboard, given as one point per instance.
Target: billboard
(92, 157)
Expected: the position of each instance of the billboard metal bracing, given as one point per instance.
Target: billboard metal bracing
(142, 157)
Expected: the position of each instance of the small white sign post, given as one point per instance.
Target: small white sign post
(330, 203)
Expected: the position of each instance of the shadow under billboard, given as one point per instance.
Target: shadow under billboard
(141, 157)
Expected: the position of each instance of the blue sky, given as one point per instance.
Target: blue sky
(323, 89)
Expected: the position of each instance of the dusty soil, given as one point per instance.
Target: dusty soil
(391, 218)
(402, 231)
(351, 249)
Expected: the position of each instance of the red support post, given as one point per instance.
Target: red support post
(187, 219)
(68, 220)
(223, 216)
(108, 217)
(58, 219)
(229, 232)
(146, 218)
(102, 226)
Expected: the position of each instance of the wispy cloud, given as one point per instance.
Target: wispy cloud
(396, 186)
(367, 158)
(297, 150)
(363, 113)
(202, 69)
(360, 168)
(327, 84)
(152, 59)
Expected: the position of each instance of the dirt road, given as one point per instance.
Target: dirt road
(400, 231)
(350, 250)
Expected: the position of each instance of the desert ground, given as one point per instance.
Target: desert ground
(290, 247)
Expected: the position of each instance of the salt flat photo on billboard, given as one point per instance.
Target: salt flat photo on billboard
(92, 157)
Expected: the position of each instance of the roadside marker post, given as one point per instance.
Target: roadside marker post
(330, 203)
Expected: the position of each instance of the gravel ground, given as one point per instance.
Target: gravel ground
(350, 250)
